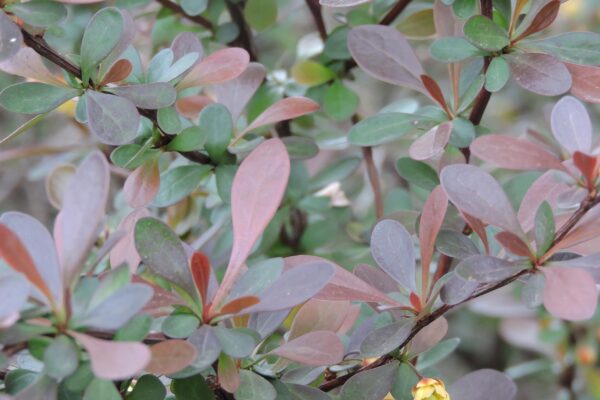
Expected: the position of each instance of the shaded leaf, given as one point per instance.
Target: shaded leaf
(314, 348)
(483, 384)
(253, 387)
(170, 356)
(207, 346)
(540, 73)
(453, 49)
(113, 119)
(432, 143)
(101, 36)
(372, 384)
(571, 125)
(485, 34)
(586, 82)
(34, 97)
(384, 128)
(497, 74)
(219, 67)
(236, 93)
(484, 269)
(142, 184)
(386, 339)
(574, 47)
(417, 173)
(10, 37)
(150, 95)
(179, 182)
(543, 19)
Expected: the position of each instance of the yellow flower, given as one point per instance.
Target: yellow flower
(430, 389)
(389, 397)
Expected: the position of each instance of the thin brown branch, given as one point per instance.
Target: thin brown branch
(584, 207)
(394, 12)
(195, 18)
(244, 38)
(374, 179)
(315, 9)
(40, 46)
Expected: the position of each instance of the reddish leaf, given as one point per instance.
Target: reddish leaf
(118, 72)
(570, 293)
(239, 304)
(432, 218)
(288, 108)
(236, 93)
(428, 336)
(219, 67)
(162, 301)
(170, 356)
(586, 82)
(514, 244)
(191, 106)
(540, 73)
(114, 360)
(200, 269)
(513, 153)
(543, 19)
(435, 91)
(142, 184)
(257, 190)
(432, 143)
(17, 256)
(227, 371)
(315, 348)
(588, 165)
(319, 315)
(479, 228)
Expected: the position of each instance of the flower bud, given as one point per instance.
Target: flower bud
(430, 389)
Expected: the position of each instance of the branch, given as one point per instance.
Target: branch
(394, 12)
(584, 207)
(374, 179)
(40, 46)
(244, 38)
(177, 9)
(315, 9)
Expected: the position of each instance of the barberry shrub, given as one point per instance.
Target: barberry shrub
(261, 200)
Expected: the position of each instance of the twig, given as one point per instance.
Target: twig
(584, 207)
(394, 12)
(244, 38)
(374, 179)
(177, 8)
(315, 9)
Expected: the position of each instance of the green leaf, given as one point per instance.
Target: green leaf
(99, 389)
(194, 7)
(79, 380)
(224, 174)
(463, 132)
(112, 119)
(300, 148)
(260, 14)
(189, 139)
(101, 36)
(437, 353)
(574, 47)
(216, 123)
(385, 128)
(41, 13)
(463, 8)
(168, 120)
(405, 380)
(177, 183)
(339, 101)
(497, 74)
(179, 326)
(371, 384)
(336, 46)
(485, 34)
(135, 330)
(311, 73)
(254, 387)
(452, 49)
(10, 37)
(336, 172)
(131, 156)
(34, 97)
(61, 358)
(18, 379)
(417, 173)
(544, 228)
(148, 387)
(192, 388)
(418, 25)
(235, 342)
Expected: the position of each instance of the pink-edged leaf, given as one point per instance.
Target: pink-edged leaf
(125, 251)
(485, 384)
(170, 356)
(432, 218)
(319, 315)
(376, 277)
(429, 336)
(118, 72)
(114, 360)
(236, 93)
(219, 67)
(14, 253)
(142, 184)
(478, 227)
(475, 192)
(386, 54)
(76, 226)
(257, 190)
(571, 125)
(186, 43)
(315, 348)
(514, 153)
(540, 73)
(344, 285)
(570, 293)
(588, 165)
(38, 243)
(545, 188)
(227, 371)
(28, 64)
(191, 106)
(393, 249)
(432, 143)
(586, 82)
(162, 301)
(288, 108)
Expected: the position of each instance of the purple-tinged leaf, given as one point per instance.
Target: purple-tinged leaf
(257, 190)
(76, 226)
(372, 384)
(221, 66)
(570, 293)
(170, 356)
(207, 345)
(432, 143)
(114, 360)
(236, 93)
(113, 119)
(432, 217)
(540, 73)
(142, 184)
(590, 263)
(376, 277)
(125, 40)
(294, 287)
(514, 244)
(44, 388)
(125, 251)
(457, 289)
(118, 72)
(571, 125)
(234, 343)
(456, 245)
(393, 250)
(429, 336)
(28, 64)
(15, 291)
(514, 153)
(483, 269)
(149, 95)
(314, 348)
(267, 322)
(545, 188)
(319, 315)
(39, 244)
(227, 371)
(485, 384)
(586, 82)
(385, 54)
(386, 339)
(302, 392)
(186, 43)
(532, 294)
(253, 386)
(475, 192)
